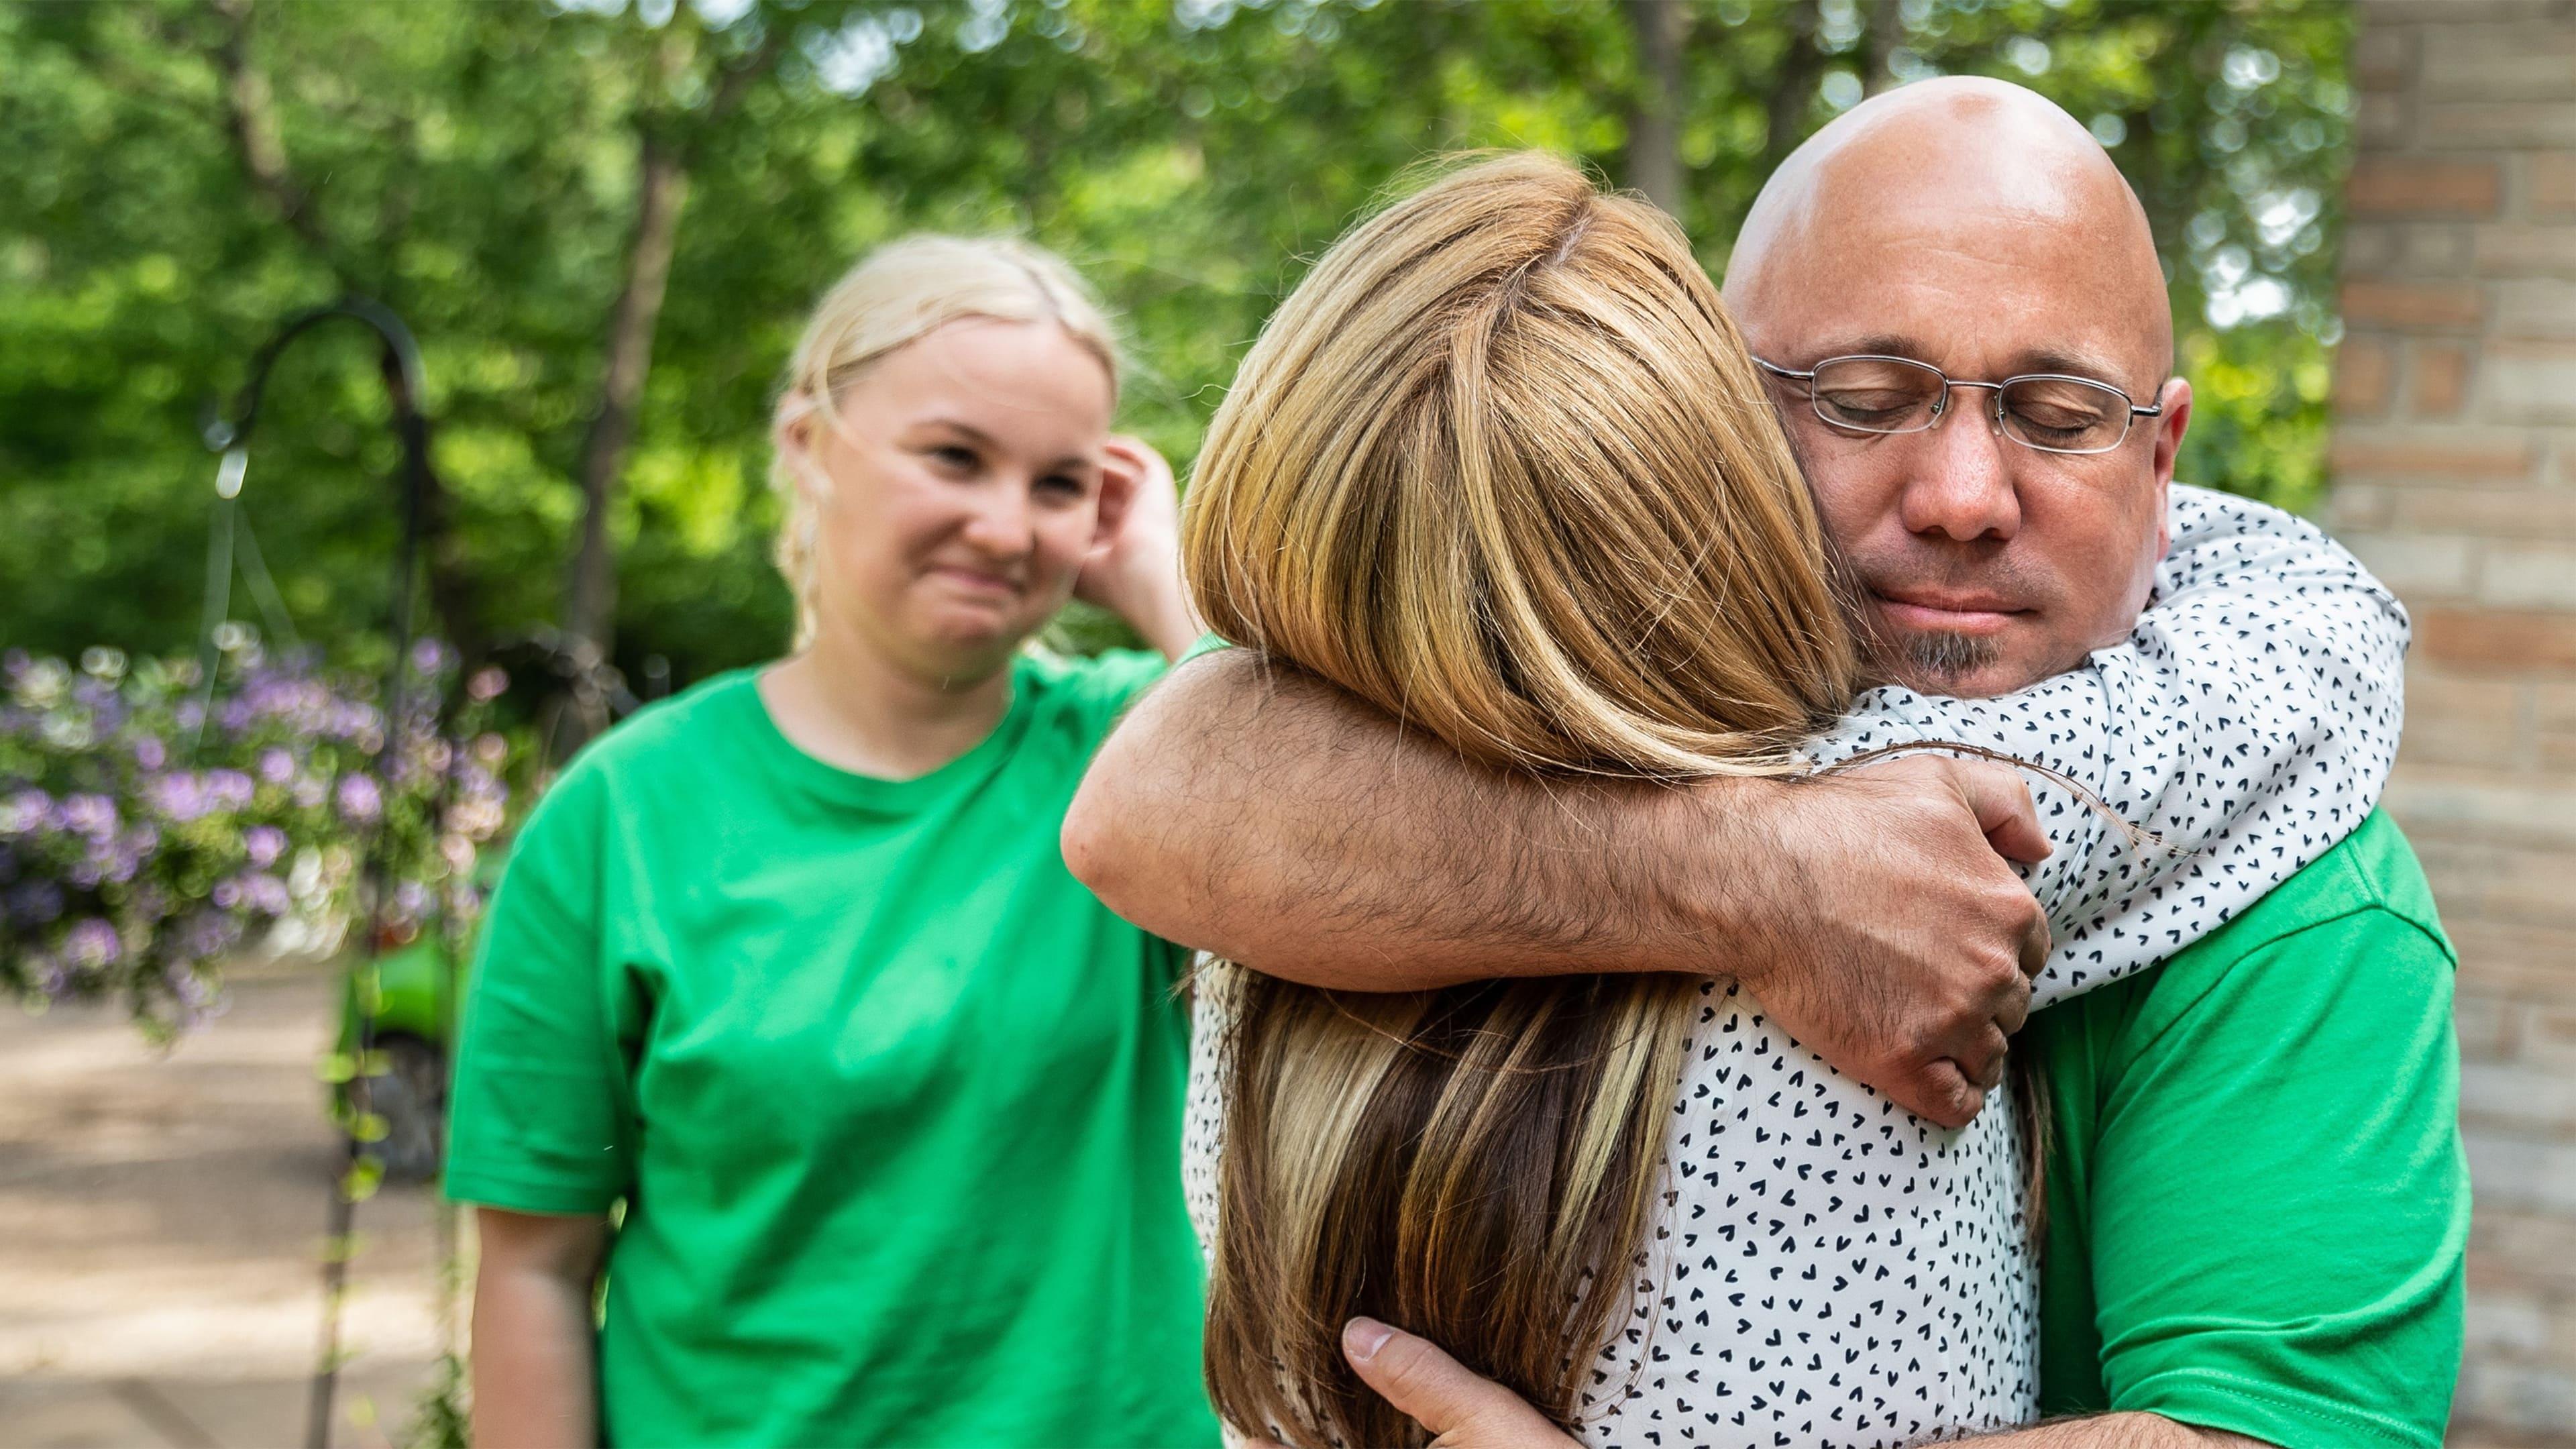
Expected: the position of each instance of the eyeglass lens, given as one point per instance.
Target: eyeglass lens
(1890, 395)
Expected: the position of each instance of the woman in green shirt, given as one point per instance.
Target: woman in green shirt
(791, 964)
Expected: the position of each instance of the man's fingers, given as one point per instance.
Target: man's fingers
(1939, 1093)
(2001, 800)
(1439, 1393)
(2035, 942)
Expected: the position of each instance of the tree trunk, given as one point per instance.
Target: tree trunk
(1653, 159)
(1793, 84)
(662, 190)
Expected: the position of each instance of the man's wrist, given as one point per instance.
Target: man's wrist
(1718, 859)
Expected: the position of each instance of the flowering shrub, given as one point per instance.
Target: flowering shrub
(144, 836)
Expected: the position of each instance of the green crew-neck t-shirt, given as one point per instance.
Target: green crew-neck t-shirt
(2257, 1200)
(894, 1104)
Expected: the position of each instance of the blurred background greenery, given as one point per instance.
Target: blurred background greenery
(606, 218)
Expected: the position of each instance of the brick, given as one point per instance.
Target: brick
(2419, 568)
(2529, 576)
(2521, 249)
(2520, 124)
(2553, 717)
(2518, 1396)
(2497, 882)
(2536, 307)
(2440, 455)
(2500, 64)
(2487, 638)
(2409, 186)
(2384, 13)
(2384, 119)
(2530, 812)
(2530, 382)
(2440, 379)
(2413, 306)
(2489, 1026)
(2537, 1098)
(2522, 1171)
(2365, 376)
(2513, 1322)
(2550, 184)
(2359, 508)
(2461, 720)
(2533, 965)
(2538, 1248)
(2383, 59)
(2501, 513)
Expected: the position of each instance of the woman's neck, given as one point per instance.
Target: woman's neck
(845, 703)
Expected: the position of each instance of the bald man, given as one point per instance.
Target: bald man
(2255, 1194)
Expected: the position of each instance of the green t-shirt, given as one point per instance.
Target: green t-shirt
(893, 1102)
(2257, 1200)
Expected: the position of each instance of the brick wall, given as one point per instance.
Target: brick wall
(2455, 477)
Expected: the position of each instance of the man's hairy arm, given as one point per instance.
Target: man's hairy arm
(1258, 813)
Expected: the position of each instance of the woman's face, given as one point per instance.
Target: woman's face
(959, 495)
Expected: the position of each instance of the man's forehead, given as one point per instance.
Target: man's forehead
(1975, 217)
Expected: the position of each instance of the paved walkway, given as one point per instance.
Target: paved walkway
(161, 1221)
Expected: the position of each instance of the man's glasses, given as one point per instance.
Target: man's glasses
(2050, 411)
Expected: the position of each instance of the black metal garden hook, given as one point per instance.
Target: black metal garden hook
(401, 367)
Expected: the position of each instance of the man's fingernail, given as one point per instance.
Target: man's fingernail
(1363, 1337)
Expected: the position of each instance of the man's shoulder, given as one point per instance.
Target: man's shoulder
(2370, 873)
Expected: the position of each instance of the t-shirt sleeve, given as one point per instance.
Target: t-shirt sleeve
(2244, 729)
(538, 1114)
(2278, 1198)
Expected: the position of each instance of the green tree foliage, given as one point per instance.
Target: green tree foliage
(185, 173)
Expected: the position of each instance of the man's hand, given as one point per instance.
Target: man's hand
(1438, 1392)
(1470, 1412)
(1890, 937)
(1250, 810)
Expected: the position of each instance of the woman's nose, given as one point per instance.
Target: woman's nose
(999, 522)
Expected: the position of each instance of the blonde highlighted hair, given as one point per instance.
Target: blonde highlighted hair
(1501, 467)
(898, 294)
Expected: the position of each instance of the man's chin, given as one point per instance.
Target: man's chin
(1960, 666)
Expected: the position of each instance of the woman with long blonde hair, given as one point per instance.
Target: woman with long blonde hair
(1502, 468)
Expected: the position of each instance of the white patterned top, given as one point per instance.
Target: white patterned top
(1831, 1270)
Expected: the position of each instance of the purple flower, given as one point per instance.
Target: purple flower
(92, 944)
(179, 796)
(360, 801)
(90, 815)
(429, 656)
(487, 684)
(276, 766)
(25, 812)
(264, 844)
(150, 753)
(229, 789)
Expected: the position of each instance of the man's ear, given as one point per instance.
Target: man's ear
(2176, 397)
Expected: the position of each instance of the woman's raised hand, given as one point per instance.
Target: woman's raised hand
(1135, 566)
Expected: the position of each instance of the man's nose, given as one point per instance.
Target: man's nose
(1962, 484)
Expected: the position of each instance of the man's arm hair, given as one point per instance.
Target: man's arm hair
(2117, 1431)
(1258, 813)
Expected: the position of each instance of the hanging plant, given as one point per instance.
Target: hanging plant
(150, 827)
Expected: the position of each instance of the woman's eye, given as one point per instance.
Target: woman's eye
(953, 457)
(1061, 485)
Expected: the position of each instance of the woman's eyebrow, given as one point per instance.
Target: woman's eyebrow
(1070, 462)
